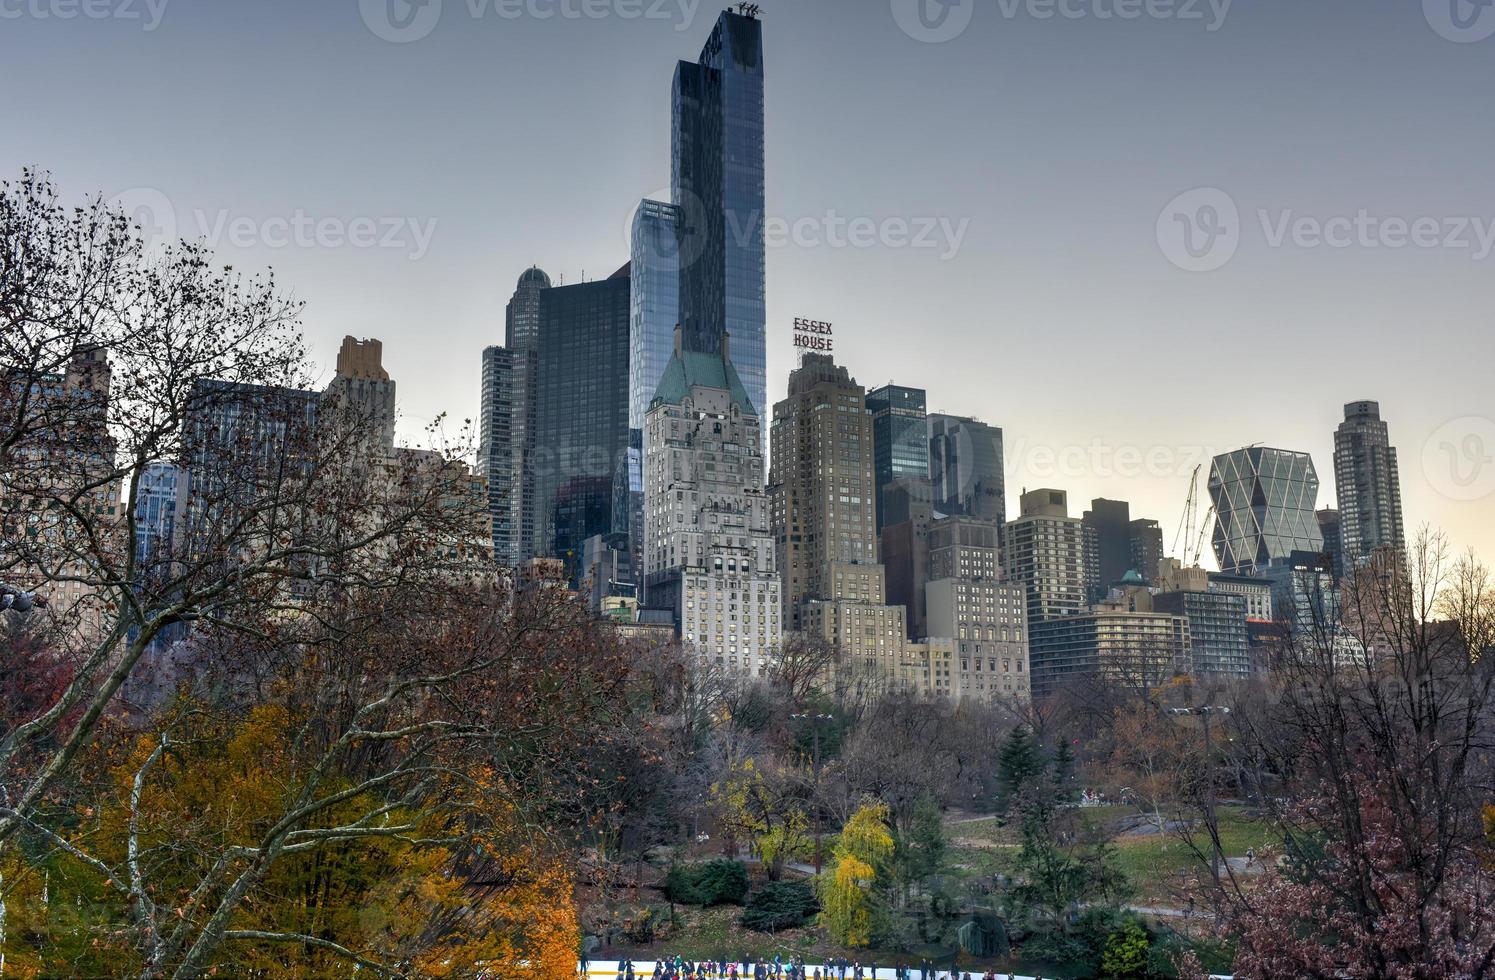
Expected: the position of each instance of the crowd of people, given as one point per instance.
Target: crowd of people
(778, 968)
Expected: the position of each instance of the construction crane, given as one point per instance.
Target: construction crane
(1188, 541)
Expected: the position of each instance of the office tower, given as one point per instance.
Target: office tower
(717, 183)
(1217, 630)
(522, 338)
(580, 423)
(905, 546)
(965, 466)
(654, 312)
(1331, 527)
(1304, 593)
(362, 396)
(823, 504)
(1264, 507)
(1136, 650)
(708, 546)
(160, 498)
(654, 303)
(1368, 484)
(496, 453)
(900, 437)
(967, 602)
(1045, 553)
(1145, 547)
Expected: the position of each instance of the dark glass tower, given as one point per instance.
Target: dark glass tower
(581, 413)
(717, 184)
(900, 440)
(965, 466)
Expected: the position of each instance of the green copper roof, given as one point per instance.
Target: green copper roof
(693, 369)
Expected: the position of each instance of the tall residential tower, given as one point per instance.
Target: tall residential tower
(717, 184)
(1368, 484)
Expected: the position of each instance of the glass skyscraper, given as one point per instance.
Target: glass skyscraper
(965, 466)
(654, 307)
(581, 413)
(1265, 508)
(717, 184)
(900, 439)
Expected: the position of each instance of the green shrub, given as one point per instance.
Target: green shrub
(780, 905)
(1125, 952)
(719, 882)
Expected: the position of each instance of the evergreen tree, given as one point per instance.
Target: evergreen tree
(1020, 765)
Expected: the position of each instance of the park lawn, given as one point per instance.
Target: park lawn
(1152, 862)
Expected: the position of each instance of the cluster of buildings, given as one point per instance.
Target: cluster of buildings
(629, 451)
(626, 423)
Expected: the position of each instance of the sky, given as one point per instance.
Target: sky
(1132, 233)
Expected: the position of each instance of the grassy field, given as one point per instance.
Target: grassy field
(1152, 862)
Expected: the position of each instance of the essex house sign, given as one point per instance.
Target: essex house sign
(813, 335)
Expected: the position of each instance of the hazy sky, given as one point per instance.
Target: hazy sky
(1334, 158)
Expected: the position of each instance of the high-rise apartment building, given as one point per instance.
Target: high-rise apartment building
(708, 545)
(362, 395)
(497, 453)
(580, 422)
(967, 602)
(522, 338)
(965, 467)
(1217, 630)
(823, 497)
(1138, 650)
(1145, 547)
(1264, 507)
(900, 437)
(1368, 484)
(1045, 553)
(717, 186)
(1119, 545)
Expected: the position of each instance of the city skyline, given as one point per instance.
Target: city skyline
(828, 139)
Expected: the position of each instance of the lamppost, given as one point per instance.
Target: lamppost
(1205, 713)
(815, 720)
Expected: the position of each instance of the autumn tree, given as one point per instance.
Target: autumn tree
(850, 889)
(1382, 769)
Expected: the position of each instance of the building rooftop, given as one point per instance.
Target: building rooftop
(689, 369)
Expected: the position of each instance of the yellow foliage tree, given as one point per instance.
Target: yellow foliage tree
(850, 904)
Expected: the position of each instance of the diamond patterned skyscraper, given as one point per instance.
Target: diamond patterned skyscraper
(1264, 507)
